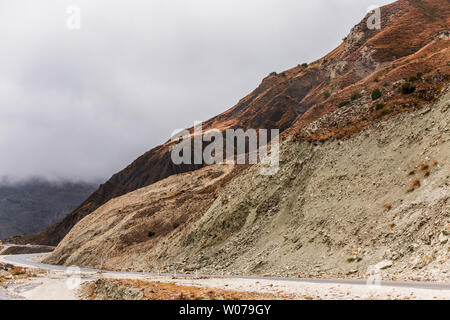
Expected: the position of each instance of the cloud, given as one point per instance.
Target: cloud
(83, 104)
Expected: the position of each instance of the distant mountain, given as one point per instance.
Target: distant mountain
(30, 206)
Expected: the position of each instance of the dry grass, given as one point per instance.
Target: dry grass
(394, 104)
(17, 271)
(154, 290)
(414, 184)
(387, 207)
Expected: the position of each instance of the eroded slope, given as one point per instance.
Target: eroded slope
(335, 209)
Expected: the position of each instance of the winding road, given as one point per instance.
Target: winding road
(26, 261)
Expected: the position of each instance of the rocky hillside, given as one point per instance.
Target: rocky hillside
(335, 209)
(412, 44)
(30, 206)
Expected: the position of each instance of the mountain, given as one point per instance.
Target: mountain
(30, 206)
(335, 209)
(314, 105)
(363, 185)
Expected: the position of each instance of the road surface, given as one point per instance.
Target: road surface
(26, 261)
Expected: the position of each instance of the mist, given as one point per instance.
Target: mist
(81, 104)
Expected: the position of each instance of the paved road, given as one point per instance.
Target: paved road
(24, 260)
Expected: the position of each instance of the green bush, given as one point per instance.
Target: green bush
(304, 65)
(343, 103)
(326, 94)
(408, 88)
(151, 234)
(380, 106)
(385, 112)
(356, 96)
(376, 94)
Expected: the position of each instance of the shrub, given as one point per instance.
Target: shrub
(415, 184)
(413, 79)
(356, 96)
(151, 234)
(385, 112)
(343, 103)
(17, 271)
(304, 65)
(408, 88)
(326, 94)
(385, 84)
(380, 106)
(376, 94)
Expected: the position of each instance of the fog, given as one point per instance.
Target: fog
(81, 104)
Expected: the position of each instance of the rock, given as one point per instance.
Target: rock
(446, 231)
(391, 255)
(425, 111)
(352, 271)
(443, 238)
(384, 264)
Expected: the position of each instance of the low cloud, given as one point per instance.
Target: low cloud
(82, 104)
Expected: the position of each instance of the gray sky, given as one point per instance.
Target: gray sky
(83, 104)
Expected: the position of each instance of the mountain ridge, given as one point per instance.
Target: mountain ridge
(297, 100)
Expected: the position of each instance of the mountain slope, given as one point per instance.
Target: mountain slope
(30, 206)
(334, 210)
(413, 39)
